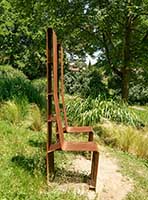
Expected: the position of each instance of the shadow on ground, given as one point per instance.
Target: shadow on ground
(36, 143)
(61, 175)
(30, 164)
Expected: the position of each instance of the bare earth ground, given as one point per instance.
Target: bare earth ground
(112, 185)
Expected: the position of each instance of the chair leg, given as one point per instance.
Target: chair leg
(94, 170)
(90, 137)
(50, 165)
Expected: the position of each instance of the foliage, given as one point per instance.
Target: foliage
(138, 92)
(34, 118)
(142, 112)
(10, 112)
(125, 138)
(13, 83)
(111, 28)
(22, 114)
(91, 111)
(86, 82)
(21, 40)
(116, 29)
(22, 170)
(40, 85)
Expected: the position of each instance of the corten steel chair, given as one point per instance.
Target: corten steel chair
(52, 51)
(71, 129)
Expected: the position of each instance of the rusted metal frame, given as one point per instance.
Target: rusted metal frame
(55, 77)
(49, 156)
(90, 138)
(80, 146)
(94, 170)
(70, 146)
(58, 83)
(54, 147)
(62, 87)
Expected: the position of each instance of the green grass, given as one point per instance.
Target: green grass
(91, 111)
(22, 155)
(126, 138)
(142, 112)
(137, 170)
(22, 166)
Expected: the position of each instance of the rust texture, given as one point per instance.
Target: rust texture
(55, 91)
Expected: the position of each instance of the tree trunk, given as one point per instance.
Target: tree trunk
(126, 58)
(125, 84)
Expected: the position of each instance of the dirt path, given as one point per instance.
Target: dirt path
(111, 183)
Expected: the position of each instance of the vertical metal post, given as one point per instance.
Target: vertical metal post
(49, 63)
(94, 169)
(62, 86)
(58, 83)
(55, 88)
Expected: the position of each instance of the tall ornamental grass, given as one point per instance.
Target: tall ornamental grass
(125, 138)
(21, 113)
(91, 111)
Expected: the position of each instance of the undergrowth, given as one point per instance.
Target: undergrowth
(91, 111)
(21, 113)
(125, 138)
(23, 167)
(13, 83)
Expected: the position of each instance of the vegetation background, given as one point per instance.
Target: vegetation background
(111, 95)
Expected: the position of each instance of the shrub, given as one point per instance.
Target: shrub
(138, 94)
(141, 145)
(40, 85)
(86, 83)
(13, 83)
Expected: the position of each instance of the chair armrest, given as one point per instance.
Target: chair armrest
(78, 129)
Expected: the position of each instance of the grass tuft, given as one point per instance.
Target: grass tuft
(126, 138)
(10, 112)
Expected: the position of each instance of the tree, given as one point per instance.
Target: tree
(118, 29)
(114, 28)
(22, 43)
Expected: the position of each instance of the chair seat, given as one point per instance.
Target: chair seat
(79, 129)
(80, 146)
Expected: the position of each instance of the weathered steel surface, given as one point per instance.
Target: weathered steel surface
(54, 53)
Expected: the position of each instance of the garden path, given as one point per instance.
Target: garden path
(112, 185)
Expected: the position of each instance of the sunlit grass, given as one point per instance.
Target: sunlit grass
(137, 170)
(127, 138)
(142, 112)
(23, 168)
(91, 111)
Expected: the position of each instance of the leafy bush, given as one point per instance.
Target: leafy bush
(14, 111)
(138, 94)
(87, 82)
(40, 85)
(13, 83)
(90, 111)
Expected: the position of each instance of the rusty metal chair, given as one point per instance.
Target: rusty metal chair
(52, 51)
